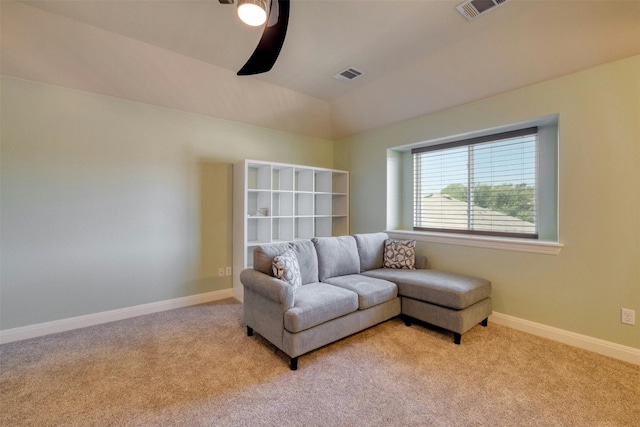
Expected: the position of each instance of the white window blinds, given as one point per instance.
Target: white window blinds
(485, 185)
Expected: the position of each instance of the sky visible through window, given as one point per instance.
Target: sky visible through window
(512, 161)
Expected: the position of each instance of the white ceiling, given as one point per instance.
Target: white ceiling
(323, 38)
(418, 55)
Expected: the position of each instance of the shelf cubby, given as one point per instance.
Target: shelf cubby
(339, 225)
(323, 226)
(282, 203)
(323, 182)
(340, 183)
(304, 179)
(258, 203)
(258, 230)
(249, 255)
(304, 228)
(323, 204)
(283, 178)
(259, 177)
(340, 205)
(282, 230)
(304, 204)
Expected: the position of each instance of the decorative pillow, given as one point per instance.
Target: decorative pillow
(399, 254)
(286, 268)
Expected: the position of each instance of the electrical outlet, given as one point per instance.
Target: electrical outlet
(628, 317)
(227, 271)
(221, 272)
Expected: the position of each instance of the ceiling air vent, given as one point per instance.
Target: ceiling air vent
(348, 74)
(471, 9)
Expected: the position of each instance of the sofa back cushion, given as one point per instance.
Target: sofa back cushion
(307, 259)
(371, 250)
(305, 253)
(337, 256)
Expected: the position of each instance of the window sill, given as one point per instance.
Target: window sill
(518, 245)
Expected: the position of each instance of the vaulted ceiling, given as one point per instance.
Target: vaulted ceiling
(417, 56)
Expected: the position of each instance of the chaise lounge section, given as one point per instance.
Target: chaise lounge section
(342, 287)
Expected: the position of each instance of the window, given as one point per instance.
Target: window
(485, 185)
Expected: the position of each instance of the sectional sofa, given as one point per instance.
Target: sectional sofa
(332, 287)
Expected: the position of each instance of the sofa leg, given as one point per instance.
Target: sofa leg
(249, 331)
(456, 338)
(407, 320)
(485, 322)
(294, 363)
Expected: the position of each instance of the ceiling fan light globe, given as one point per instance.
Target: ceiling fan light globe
(252, 12)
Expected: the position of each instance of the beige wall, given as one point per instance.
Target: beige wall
(108, 203)
(583, 288)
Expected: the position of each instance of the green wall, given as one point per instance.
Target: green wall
(107, 203)
(598, 271)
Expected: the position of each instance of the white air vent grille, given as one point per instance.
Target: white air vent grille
(348, 74)
(471, 9)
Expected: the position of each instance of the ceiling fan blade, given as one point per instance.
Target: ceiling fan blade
(271, 42)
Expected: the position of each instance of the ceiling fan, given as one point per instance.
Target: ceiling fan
(276, 15)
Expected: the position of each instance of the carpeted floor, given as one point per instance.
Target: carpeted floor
(196, 367)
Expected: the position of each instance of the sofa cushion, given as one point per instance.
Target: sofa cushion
(305, 253)
(337, 256)
(307, 259)
(442, 288)
(399, 254)
(287, 269)
(370, 250)
(317, 303)
(371, 291)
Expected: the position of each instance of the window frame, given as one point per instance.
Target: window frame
(399, 191)
(469, 143)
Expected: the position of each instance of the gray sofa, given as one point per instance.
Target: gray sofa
(345, 289)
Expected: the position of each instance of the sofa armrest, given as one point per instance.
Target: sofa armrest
(269, 287)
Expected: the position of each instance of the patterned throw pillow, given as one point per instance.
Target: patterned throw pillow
(400, 254)
(286, 268)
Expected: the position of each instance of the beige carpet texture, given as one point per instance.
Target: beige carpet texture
(195, 366)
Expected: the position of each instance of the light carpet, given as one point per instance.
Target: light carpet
(195, 366)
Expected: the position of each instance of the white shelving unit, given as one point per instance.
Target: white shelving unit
(277, 202)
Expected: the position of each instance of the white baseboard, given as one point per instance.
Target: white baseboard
(606, 348)
(40, 329)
